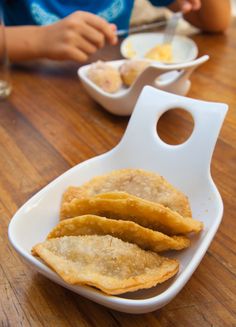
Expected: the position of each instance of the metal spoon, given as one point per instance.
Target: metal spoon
(170, 29)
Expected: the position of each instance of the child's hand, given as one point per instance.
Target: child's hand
(188, 5)
(76, 37)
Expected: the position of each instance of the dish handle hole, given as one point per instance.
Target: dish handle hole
(175, 126)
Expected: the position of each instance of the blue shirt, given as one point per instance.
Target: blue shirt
(44, 12)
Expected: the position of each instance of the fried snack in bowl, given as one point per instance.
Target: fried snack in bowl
(127, 231)
(105, 76)
(145, 213)
(131, 69)
(105, 262)
(161, 52)
(144, 184)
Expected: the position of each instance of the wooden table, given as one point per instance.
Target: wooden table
(50, 124)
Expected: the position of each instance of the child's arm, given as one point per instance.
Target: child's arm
(212, 16)
(72, 38)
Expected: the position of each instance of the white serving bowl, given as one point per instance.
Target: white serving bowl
(187, 166)
(174, 78)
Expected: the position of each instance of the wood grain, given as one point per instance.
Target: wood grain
(48, 125)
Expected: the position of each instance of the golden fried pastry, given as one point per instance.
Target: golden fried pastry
(105, 76)
(161, 52)
(146, 185)
(145, 213)
(131, 69)
(105, 262)
(127, 231)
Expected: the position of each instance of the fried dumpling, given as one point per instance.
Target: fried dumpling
(131, 69)
(124, 206)
(127, 231)
(105, 76)
(105, 262)
(147, 185)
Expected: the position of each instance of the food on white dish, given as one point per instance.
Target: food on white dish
(161, 52)
(131, 69)
(128, 207)
(105, 262)
(127, 231)
(105, 76)
(144, 184)
(129, 49)
(112, 228)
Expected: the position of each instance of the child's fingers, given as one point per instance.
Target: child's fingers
(103, 26)
(93, 35)
(75, 54)
(188, 5)
(196, 4)
(86, 46)
(113, 27)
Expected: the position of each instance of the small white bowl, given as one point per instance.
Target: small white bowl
(184, 49)
(174, 78)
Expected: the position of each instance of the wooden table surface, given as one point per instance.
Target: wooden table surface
(50, 124)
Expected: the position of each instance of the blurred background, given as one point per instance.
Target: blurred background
(145, 12)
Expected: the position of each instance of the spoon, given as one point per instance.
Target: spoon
(171, 26)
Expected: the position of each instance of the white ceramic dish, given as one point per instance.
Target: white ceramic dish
(187, 166)
(184, 49)
(171, 78)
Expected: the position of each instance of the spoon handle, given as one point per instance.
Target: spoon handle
(140, 28)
